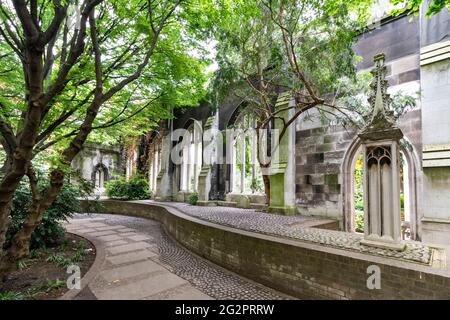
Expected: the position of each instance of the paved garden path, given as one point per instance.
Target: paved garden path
(295, 227)
(138, 260)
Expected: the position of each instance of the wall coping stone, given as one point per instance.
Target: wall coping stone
(309, 270)
(443, 270)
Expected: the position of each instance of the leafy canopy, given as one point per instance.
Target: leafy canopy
(174, 77)
(286, 45)
(434, 7)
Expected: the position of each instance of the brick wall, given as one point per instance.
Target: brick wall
(304, 270)
(319, 153)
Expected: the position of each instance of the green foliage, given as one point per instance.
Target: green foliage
(251, 42)
(59, 259)
(136, 188)
(174, 77)
(256, 185)
(402, 202)
(434, 6)
(358, 195)
(9, 295)
(359, 221)
(49, 232)
(46, 286)
(22, 264)
(358, 180)
(53, 285)
(193, 198)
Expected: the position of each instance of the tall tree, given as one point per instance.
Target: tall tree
(301, 47)
(70, 67)
(433, 6)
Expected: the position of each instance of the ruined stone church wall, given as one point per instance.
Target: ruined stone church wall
(320, 148)
(319, 155)
(92, 156)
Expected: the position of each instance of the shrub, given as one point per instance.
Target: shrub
(136, 188)
(359, 221)
(10, 295)
(193, 198)
(116, 189)
(256, 185)
(49, 232)
(402, 202)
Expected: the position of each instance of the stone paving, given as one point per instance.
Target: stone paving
(143, 262)
(294, 227)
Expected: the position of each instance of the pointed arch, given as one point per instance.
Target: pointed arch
(347, 189)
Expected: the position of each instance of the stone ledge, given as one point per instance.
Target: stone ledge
(302, 269)
(435, 220)
(100, 256)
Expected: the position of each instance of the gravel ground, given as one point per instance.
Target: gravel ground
(291, 227)
(202, 274)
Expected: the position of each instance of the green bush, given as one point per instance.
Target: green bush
(359, 202)
(116, 188)
(49, 232)
(136, 188)
(359, 221)
(193, 198)
(402, 202)
(256, 185)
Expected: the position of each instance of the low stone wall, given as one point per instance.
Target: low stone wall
(301, 269)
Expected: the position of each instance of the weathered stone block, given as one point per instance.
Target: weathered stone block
(318, 189)
(243, 202)
(326, 147)
(315, 158)
(409, 76)
(334, 188)
(303, 134)
(318, 198)
(329, 138)
(319, 130)
(306, 169)
(334, 197)
(317, 179)
(331, 179)
(328, 168)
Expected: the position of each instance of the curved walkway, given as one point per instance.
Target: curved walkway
(142, 262)
(296, 227)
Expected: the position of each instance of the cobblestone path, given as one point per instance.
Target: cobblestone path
(296, 227)
(143, 262)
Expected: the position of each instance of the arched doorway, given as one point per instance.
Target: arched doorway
(245, 172)
(100, 176)
(351, 193)
(191, 164)
(154, 161)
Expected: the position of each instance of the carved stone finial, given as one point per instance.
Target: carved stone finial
(382, 121)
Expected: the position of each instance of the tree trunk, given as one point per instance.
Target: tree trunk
(266, 180)
(20, 244)
(27, 136)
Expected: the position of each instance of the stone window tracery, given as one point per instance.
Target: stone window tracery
(192, 158)
(246, 177)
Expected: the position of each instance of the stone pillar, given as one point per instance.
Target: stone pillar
(435, 97)
(163, 180)
(282, 169)
(209, 150)
(380, 146)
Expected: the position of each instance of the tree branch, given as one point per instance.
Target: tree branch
(31, 30)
